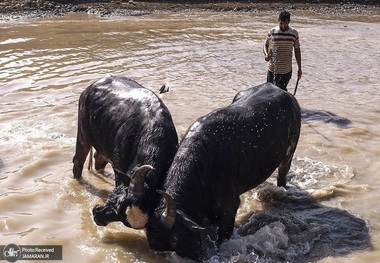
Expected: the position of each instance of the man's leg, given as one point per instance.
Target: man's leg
(282, 80)
(270, 77)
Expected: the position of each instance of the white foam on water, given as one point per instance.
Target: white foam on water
(15, 40)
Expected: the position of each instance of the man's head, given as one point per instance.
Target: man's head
(284, 19)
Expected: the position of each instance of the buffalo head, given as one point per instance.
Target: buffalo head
(173, 230)
(125, 203)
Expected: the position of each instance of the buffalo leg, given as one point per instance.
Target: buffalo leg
(100, 162)
(121, 178)
(283, 170)
(227, 220)
(81, 151)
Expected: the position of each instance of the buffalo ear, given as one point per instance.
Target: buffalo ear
(186, 221)
(207, 232)
(169, 216)
(211, 234)
(209, 238)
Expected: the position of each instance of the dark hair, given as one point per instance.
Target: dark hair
(284, 15)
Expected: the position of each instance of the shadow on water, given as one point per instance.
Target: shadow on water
(326, 116)
(92, 189)
(295, 227)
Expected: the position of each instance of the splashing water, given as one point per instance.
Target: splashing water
(293, 227)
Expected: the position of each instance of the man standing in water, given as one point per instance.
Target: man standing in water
(278, 50)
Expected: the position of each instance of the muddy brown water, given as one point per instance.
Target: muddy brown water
(205, 59)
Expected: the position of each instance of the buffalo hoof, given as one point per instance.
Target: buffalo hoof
(77, 172)
(281, 182)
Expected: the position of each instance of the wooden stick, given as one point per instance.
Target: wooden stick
(295, 89)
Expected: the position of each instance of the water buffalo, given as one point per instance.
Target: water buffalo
(222, 155)
(129, 126)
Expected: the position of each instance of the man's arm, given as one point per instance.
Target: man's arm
(266, 51)
(266, 48)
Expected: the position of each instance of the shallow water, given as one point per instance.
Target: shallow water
(330, 212)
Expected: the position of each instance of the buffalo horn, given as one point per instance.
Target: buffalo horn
(136, 186)
(168, 217)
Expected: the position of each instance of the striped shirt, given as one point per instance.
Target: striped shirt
(281, 46)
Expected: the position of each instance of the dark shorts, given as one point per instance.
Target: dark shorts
(280, 80)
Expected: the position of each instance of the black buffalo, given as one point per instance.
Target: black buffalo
(223, 154)
(129, 126)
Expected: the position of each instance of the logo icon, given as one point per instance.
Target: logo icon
(12, 252)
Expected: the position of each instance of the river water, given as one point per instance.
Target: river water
(330, 211)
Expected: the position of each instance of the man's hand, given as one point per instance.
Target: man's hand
(299, 73)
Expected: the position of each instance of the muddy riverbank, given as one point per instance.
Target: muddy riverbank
(18, 9)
